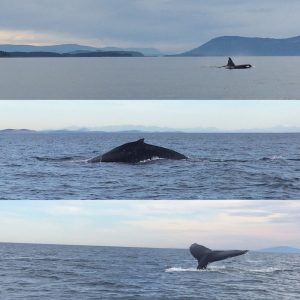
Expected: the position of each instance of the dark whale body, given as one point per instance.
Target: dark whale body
(231, 65)
(135, 152)
(206, 256)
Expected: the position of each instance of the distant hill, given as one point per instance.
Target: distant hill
(74, 48)
(64, 48)
(13, 131)
(145, 51)
(280, 249)
(246, 46)
(72, 54)
(144, 128)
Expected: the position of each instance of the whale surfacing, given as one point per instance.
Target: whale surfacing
(231, 65)
(206, 256)
(135, 152)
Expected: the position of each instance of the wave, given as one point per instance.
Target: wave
(270, 270)
(229, 269)
(63, 158)
(279, 157)
(271, 158)
(155, 158)
(274, 157)
(229, 160)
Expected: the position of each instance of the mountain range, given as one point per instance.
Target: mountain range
(75, 49)
(13, 131)
(19, 54)
(141, 128)
(280, 249)
(219, 46)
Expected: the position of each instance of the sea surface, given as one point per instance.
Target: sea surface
(219, 166)
(149, 78)
(82, 272)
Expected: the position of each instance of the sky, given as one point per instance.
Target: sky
(169, 25)
(179, 114)
(168, 224)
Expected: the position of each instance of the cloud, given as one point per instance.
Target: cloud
(170, 25)
(219, 224)
(30, 37)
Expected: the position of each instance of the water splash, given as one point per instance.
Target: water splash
(179, 269)
(150, 159)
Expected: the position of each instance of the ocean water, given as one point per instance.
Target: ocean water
(82, 272)
(219, 166)
(149, 78)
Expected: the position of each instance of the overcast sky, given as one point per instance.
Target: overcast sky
(179, 114)
(170, 25)
(176, 224)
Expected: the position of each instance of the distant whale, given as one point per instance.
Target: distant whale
(135, 152)
(231, 65)
(206, 256)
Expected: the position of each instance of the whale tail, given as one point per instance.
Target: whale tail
(205, 255)
(202, 254)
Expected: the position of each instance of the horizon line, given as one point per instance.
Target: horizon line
(277, 129)
(138, 247)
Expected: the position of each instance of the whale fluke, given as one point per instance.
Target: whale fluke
(206, 256)
(231, 65)
(137, 151)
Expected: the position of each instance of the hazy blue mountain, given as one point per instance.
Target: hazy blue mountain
(74, 48)
(65, 48)
(144, 128)
(145, 51)
(280, 249)
(127, 128)
(73, 54)
(13, 131)
(245, 46)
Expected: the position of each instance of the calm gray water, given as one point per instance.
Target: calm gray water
(219, 166)
(149, 78)
(82, 272)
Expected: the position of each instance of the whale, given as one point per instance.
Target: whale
(205, 256)
(135, 152)
(231, 65)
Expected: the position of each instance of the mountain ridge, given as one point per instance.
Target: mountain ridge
(219, 46)
(74, 48)
(280, 249)
(247, 46)
(159, 129)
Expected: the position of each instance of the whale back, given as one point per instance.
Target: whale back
(232, 65)
(128, 152)
(161, 152)
(137, 151)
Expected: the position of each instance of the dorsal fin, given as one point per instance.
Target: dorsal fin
(140, 141)
(230, 62)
